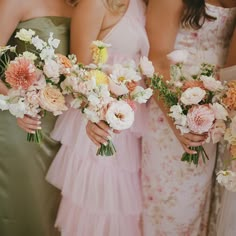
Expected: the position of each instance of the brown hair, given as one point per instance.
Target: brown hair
(195, 14)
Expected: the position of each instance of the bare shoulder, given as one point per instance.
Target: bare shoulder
(91, 5)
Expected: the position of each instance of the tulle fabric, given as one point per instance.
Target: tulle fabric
(101, 196)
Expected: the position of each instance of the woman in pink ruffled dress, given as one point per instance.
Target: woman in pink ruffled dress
(101, 196)
(177, 194)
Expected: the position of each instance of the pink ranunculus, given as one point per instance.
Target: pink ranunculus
(200, 119)
(21, 73)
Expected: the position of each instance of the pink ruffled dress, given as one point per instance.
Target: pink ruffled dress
(101, 196)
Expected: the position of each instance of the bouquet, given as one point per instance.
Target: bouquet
(227, 177)
(33, 78)
(106, 92)
(193, 96)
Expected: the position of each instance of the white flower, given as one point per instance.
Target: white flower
(29, 55)
(219, 111)
(146, 67)
(120, 115)
(92, 115)
(18, 109)
(141, 95)
(76, 103)
(117, 88)
(211, 83)
(47, 53)
(4, 102)
(32, 97)
(25, 35)
(38, 43)
(93, 99)
(53, 42)
(178, 56)
(192, 96)
(101, 44)
(51, 68)
(227, 179)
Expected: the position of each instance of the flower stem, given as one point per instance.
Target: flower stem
(106, 150)
(37, 137)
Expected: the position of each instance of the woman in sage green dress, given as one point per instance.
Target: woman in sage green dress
(28, 204)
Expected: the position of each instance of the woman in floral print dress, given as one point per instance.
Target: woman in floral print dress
(177, 194)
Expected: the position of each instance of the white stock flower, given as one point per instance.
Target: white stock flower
(25, 35)
(211, 83)
(146, 66)
(51, 68)
(141, 95)
(18, 109)
(120, 115)
(178, 56)
(53, 42)
(93, 99)
(38, 43)
(47, 53)
(91, 115)
(192, 96)
(101, 44)
(29, 55)
(219, 111)
(227, 179)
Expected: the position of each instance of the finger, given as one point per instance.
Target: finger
(37, 117)
(98, 138)
(24, 125)
(189, 143)
(195, 137)
(116, 131)
(104, 126)
(30, 120)
(95, 142)
(96, 130)
(189, 151)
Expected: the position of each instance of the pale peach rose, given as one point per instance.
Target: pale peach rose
(63, 60)
(211, 83)
(200, 119)
(52, 100)
(219, 111)
(233, 150)
(21, 73)
(192, 96)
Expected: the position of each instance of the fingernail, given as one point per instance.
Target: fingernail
(39, 127)
(194, 152)
(109, 137)
(38, 122)
(39, 117)
(105, 143)
(110, 131)
(32, 132)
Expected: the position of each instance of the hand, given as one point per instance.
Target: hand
(99, 132)
(29, 124)
(191, 140)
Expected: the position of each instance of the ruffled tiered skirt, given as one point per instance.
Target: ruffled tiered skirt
(101, 196)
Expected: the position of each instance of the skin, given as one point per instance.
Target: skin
(163, 20)
(13, 15)
(92, 20)
(231, 61)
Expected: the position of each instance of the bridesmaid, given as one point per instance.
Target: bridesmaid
(101, 196)
(176, 194)
(28, 204)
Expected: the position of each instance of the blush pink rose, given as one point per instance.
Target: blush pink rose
(200, 119)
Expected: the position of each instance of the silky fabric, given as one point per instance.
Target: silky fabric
(28, 204)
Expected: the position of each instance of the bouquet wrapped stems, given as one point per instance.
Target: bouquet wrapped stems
(106, 150)
(194, 158)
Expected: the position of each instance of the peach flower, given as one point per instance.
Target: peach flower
(230, 99)
(63, 60)
(200, 119)
(193, 83)
(52, 100)
(21, 73)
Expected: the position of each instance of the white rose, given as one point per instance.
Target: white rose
(120, 115)
(51, 69)
(178, 56)
(25, 35)
(211, 83)
(192, 96)
(38, 43)
(219, 111)
(146, 67)
(141, 95)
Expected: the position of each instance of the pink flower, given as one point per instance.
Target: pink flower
(200, 119)
(21, 73)
(217, 131)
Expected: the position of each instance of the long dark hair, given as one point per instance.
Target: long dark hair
(195, 14)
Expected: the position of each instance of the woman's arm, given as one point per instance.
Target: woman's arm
(231, 60)
(163, 21)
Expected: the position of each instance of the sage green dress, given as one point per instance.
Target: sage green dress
(28, 204)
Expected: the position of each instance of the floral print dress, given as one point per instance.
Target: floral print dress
(177, 194)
